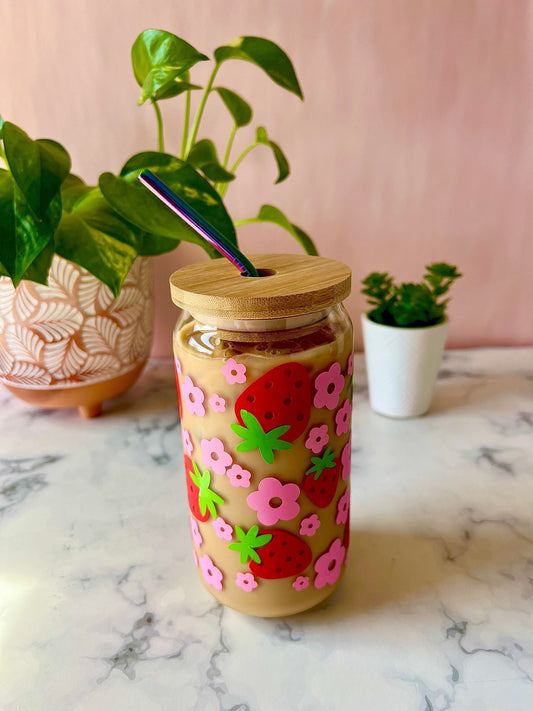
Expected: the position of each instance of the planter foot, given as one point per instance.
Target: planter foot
(94, 410)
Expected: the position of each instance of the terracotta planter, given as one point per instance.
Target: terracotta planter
(71, 343)
(402, 365)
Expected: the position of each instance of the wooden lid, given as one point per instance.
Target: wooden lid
(299, 284)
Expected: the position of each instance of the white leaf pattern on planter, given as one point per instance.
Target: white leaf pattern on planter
(23, 344)
(55, 321)
(94, 297)
(126, 342)
(28, 373)
(6, 360)
(24, 302)
(74, 331)
(99, 334)
(7, 294)
(97, 365)
(64, 358)
(62, 279)
(128, 306)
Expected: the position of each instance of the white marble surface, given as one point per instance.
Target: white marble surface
(101, 609)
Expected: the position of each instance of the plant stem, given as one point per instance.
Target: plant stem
(229, 146)
(234, 167)
(160, 139)
(186, 120)
(199, 113)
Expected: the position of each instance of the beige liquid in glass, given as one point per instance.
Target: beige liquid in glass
(294, 508)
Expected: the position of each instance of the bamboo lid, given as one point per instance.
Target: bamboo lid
(296, 284)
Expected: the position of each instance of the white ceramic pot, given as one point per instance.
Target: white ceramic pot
(71, 343)
(402, 365)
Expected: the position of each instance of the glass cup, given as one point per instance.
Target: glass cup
(264, 375)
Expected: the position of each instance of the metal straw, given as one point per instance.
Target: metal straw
(189, 215)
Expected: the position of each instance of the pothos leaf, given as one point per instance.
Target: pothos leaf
(265, 54)
(281, 160)
(203, 156)
(240, 110)
(269, 213)
(157, 49)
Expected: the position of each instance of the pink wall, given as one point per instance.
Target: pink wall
(414, 143)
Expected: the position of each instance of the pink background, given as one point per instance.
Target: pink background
(414, 143)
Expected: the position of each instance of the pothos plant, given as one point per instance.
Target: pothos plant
(47, 210)
(410, 305)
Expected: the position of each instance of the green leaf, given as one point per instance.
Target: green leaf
(327, 461)
(107, 258)
(164, 84)
(265, 54)
(254, 437)
(248, 542)
(31, 234)
(151, 245)
(203, 156)
(97, 213)
(55, 167)
(207, 498)
(38, 167)
(137, 205)
(72, 189)
(282, 162)
(165, 54)
(39, 268)
(240, 110)
(269, 213)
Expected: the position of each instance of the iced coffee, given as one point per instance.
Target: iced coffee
(265, 407)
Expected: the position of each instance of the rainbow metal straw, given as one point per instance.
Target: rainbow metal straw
(198, 223)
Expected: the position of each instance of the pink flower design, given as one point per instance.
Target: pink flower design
(343, 418)
(274, 501)
(328, 565)
(238, 476)
(218, 404)
(346, 458)
(343, 507)
(317, 439)
(196, 535)
(301, 582)
(350, 364)
(193, 397)
(177, 364)
(215, 456)
(187, 443)
(246, 581)
(309, 525)
(234, 372)
(329, 386)
(223, 529)
(212, 575)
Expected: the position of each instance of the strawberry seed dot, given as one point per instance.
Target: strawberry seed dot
(269, 415)
(300, 416)
(287, 401)
(268, 385)
(287, 373)
(298, 384)
(250, 398)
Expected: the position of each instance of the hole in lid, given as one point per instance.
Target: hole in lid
(262, 273)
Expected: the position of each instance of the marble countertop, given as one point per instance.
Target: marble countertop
(101, 608)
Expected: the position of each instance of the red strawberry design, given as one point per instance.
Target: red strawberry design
(275, 553)
(274, 410)
(320, 481)
(201, 499)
